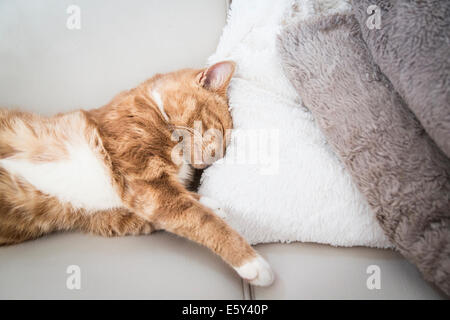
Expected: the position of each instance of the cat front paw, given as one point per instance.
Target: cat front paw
(257, 272)
(215, 206)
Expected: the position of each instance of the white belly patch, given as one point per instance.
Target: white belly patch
(82, 180)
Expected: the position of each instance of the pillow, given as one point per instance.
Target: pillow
(279, 180)
(403, 174)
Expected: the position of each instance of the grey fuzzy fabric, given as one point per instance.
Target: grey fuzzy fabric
(400, 170)
(412, 48)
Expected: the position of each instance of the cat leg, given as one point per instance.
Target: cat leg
(200, 224)
(116, 222)
(185, 216)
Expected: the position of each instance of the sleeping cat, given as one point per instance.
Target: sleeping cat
(111, 171)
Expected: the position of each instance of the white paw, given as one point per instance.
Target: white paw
(257, 272)
(214, 206)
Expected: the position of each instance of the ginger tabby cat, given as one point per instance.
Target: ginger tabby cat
(111, 171)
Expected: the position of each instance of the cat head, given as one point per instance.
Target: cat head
(194, 103)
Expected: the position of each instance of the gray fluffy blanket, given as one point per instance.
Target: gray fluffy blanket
(412, 48)
(403, 174)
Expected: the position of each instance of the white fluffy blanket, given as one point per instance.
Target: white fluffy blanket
(279, 180)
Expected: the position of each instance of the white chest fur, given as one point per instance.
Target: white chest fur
(81, 180)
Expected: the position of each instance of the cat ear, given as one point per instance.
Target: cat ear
(217, 77)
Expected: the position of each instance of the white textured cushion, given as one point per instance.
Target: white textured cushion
(300, 191)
